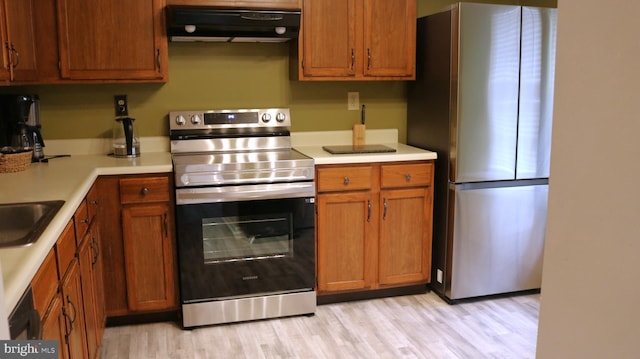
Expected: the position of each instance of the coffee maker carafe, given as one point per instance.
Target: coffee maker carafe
(20, 123)
(125, 140)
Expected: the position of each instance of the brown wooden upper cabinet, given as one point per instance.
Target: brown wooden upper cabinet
(356, 40)
(112, 40)
(18, 45)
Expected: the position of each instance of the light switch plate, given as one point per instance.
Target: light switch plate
(353, 101)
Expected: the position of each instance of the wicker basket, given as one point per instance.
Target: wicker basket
(15, 162)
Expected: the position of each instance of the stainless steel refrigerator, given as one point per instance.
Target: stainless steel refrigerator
(483, 100)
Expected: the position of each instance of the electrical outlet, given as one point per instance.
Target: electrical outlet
(439, 276)
(121, 105)
(353, 100)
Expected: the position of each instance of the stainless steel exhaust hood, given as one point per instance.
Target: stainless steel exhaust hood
(202, 23)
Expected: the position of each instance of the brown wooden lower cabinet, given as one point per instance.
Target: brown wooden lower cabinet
(136, 229)
(374, 226)
(67, 289)
(88, 257)
(149, 257)
(116, 257)
(54, 327)
(73, 311)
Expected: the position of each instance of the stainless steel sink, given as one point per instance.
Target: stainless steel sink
(22, 223)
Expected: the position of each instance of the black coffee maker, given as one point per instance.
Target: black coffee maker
(20, 123)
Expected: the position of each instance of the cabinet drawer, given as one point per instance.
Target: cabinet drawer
(148, 189)
(81, 220)
(45, 283)
(65, 249)
(344, 178)
(404, 175)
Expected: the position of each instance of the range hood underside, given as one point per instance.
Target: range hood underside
(193, 23)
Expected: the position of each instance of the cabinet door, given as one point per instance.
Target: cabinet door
(347, 234)
(111, 245)
(20, 43)
(4, 55)
(148, 253)
(53, 326)
(97, 270)
(389, 38)
(329, 38)
(73, 311)
(405, 236)
(112, 39)
(85, 256)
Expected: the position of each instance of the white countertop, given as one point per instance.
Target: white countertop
(68, 179)
(310, 144)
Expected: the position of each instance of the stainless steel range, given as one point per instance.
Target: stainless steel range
(244, 216)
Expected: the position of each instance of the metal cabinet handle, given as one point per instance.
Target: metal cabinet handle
(368, 210)
(96, 251)
(84, 221)
(95, 202)
(346, 180)
(384, 214)
(166, 226)
(368, 59)
(408, 177)
(159, 60)
(17, 56)
(144, 191)
(8, 47)
(353, 58)
(75, 313)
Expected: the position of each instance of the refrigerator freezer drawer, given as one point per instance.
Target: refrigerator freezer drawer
(498, 239)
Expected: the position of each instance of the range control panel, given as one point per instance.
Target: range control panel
(238, 118)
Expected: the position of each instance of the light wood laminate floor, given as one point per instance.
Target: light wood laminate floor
(414, 326)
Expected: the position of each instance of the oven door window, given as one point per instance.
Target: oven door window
(239, 238)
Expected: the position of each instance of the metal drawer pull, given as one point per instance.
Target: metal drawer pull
(384, 214)
(408, 177)
(368, 210)
(346, 180)
(144, 191)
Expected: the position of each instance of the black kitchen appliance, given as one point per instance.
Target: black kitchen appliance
(222, 24)
(244, 216)
(20, 126)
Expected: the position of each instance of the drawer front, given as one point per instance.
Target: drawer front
(45, 284)
(81, 220)
(406, 175)
(148, 189)
(65, 249)
(344, 178)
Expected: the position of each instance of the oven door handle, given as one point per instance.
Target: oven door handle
(244, 193)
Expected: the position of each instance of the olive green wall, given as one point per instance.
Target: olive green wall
(214, 75)
(218, 75)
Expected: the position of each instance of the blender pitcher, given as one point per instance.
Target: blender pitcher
(125, 142)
